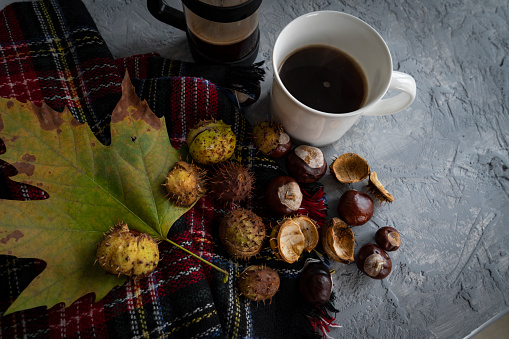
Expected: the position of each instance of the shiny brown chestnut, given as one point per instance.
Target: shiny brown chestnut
(283, 195)
(306, 164)
(388, 238)
(283, 147)
(374, 261)
(315, 283)
(355, 208)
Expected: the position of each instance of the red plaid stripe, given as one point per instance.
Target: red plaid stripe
(101, 76)
(187, 95)
(18, 79)
(136, 65)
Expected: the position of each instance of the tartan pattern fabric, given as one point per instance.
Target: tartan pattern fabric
(55, 54)
(245, 79)
(51, 52)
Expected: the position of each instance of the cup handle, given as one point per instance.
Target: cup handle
(401, 82)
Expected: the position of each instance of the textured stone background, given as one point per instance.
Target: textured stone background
(445, 159)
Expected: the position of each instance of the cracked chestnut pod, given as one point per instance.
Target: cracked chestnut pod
(128, 252)
(338, 241)
(306, 164)
(355, 208)
(211, 142)
(376, 188)
(388, 238)
(270, 138)
(292, 236)
(374, 261)
(315, 283)
(349, 168)
(283, 195)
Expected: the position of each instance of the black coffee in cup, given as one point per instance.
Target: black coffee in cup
(324, 78)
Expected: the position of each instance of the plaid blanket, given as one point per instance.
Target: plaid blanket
(52, 52)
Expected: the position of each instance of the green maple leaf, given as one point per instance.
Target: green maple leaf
(91, 187)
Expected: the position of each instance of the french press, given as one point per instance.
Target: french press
(218, 31)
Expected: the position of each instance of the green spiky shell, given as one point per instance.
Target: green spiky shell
(270, 139)
(266, 137)
(211, 142)
(184, 184)
(258, 283)
(122, 252)
(231, 182)
(242, 233)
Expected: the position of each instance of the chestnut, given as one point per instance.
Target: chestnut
(283, 147)
(388, 238)
(271, 139)
(306, 164)
(315, 283)
(374, 261)
(355, 208)
(283, 195)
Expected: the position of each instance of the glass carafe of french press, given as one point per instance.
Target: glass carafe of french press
(218, 31)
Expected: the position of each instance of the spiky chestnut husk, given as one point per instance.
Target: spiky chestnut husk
(231, 182)
(211, 142)
(123, 252)
(270, 138)
(185, 183)
(376, 188)
(242, 233)
(258, 283)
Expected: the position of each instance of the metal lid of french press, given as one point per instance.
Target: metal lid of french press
(223, 14)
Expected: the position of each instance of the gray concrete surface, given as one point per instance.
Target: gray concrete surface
(445, 159)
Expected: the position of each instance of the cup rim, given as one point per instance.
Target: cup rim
(311, 109)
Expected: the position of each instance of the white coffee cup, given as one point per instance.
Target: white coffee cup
(359, 40)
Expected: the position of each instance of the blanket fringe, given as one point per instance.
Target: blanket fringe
(314, 203)
(320, 318)
(245, 79)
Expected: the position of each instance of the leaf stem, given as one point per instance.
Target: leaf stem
(225, 278)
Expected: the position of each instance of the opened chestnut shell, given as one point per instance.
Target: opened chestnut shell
(378, 190)
(315, 283)
(355, 208)
(338, 241)
(293, 236)
(349, 168)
